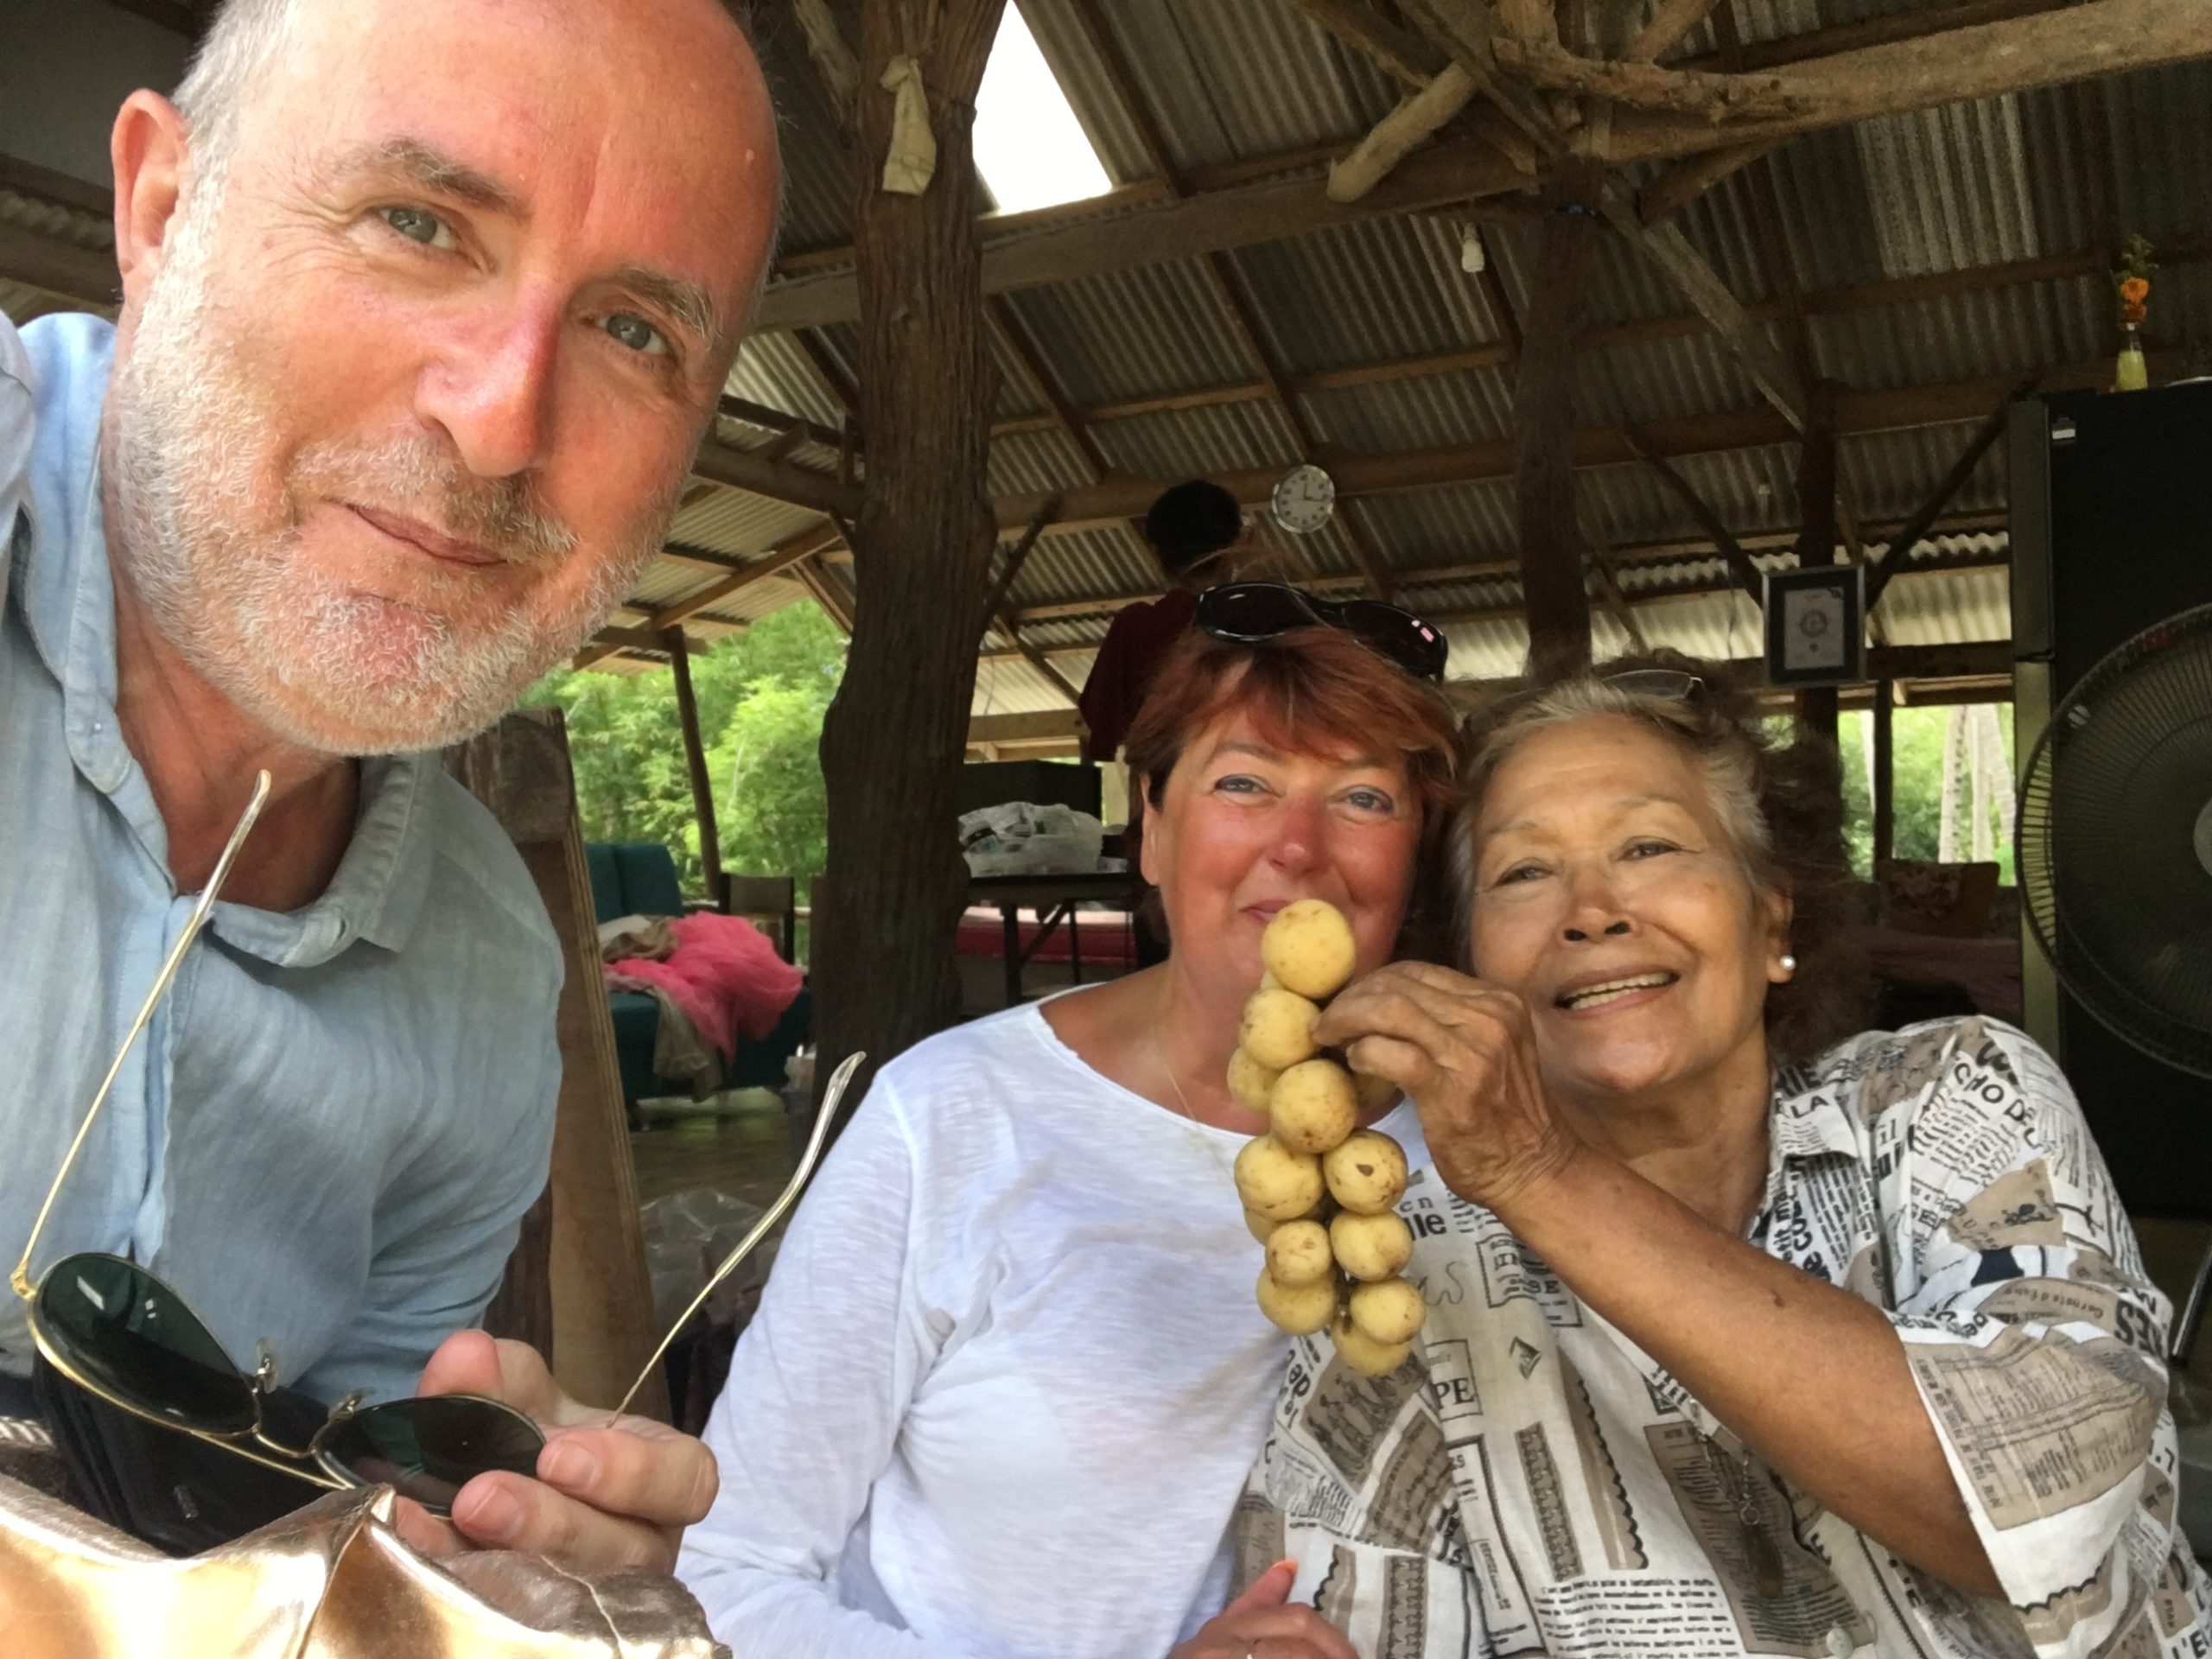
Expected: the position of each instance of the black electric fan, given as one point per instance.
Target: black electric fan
(2115, 841)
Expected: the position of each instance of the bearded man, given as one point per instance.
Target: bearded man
(424, 310)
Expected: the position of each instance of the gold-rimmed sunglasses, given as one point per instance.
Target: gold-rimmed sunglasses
(114, 1330)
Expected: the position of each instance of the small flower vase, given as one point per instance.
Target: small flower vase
(2130, 372)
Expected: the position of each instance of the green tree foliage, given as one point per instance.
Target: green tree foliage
(761, 695)
(1917, 738)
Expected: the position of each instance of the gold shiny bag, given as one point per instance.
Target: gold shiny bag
(333, 1581)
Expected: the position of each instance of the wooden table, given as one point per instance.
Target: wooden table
(1054, 899)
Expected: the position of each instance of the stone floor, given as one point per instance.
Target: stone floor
(744, 1149)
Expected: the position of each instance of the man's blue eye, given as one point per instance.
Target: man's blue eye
(419, 225)
(631, 330)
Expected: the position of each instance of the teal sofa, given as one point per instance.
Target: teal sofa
(638, 878)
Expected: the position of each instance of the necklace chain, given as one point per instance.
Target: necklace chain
(1159, 1053)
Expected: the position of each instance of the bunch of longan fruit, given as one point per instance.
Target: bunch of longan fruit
(1319, 1191)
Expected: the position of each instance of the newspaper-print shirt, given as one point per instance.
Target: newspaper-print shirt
(1530, 1482)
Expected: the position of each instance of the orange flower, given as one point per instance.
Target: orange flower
(2134, 314)
(2134, 290)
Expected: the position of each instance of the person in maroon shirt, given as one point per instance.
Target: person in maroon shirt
(1193, 528)
(1190, 528)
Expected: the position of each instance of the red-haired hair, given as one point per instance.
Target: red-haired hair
(1309, 691)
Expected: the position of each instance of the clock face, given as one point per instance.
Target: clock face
(1304, 499)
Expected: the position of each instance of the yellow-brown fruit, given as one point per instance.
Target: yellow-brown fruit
(1276, 1182)
(1389, 1311)
(1259, 1226)
(1313, 1106)
(1299, 1309)
(1369, 1247)
(1375, 1093)
(1309, 947)
(1299, 1253)
(1278, 1029)
(1249, 1082)
(1367, 1173)
(1363, 1353)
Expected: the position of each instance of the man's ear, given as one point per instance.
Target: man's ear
(151, 152)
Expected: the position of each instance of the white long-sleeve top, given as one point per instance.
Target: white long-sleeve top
(1007, 1379)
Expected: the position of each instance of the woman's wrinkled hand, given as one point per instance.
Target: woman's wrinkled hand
(1259, 1625)
(1464, 1053)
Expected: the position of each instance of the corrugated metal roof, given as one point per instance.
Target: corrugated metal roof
(740, 525)
(1131, 333)
(1366, 292)
(1194, 441)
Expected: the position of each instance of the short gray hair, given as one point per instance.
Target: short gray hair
(1781, 803)
(245, 37)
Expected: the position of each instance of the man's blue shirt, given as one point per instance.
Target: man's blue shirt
(326, 1139)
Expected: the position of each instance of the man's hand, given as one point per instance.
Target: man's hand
(611, 1492)
(1257, 1625)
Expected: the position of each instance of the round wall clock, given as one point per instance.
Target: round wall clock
(1304, 499)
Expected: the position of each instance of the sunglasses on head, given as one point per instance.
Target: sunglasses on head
(116, 1332)
(1252, 612)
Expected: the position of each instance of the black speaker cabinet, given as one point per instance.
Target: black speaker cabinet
(2112, 530)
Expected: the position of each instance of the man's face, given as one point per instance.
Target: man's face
(406, 398)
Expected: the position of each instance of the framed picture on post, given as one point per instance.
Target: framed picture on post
(1816, 624)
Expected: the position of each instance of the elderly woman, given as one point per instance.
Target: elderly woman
(1742, 1339)
(1008, 1377)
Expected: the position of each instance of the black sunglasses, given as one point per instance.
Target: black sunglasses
(1252, 612)
(115, 1330)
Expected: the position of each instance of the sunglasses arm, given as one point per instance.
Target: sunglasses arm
(20, 1280)
(822, 1119)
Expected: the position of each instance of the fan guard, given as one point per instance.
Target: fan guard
(2118, 804)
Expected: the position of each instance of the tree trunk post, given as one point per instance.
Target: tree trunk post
(1552, 594)
(889, 905)
(695, 755)
(1816, 541)
(1885, 775)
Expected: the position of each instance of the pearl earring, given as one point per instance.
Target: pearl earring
(1789, 962)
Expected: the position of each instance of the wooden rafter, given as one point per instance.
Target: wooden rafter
(1491, 459)
(1642, 554)
(806, 544)
(1675, 187)
(1235, 306)
(2044, 49)
(1900, 551)
(1398, 51)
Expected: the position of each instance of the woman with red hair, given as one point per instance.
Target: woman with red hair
(1008, 1376)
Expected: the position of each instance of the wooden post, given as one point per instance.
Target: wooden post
(887, 907)
(579, 1289)
(1557, 603)
(1816, 514)
(1885, 774)
(695, 752)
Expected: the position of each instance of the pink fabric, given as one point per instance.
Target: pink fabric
(725, 973)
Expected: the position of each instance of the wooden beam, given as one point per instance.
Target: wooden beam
(781, 421)
(2080, 43)
(2047, 48)
(1694, 278)
(1553, 591)
(1694, 92)
(1886, 773)
(806, 544)
(1816, 517)
(1745, 573)
(1416, 119)
(1488, 460)
(58, 267)
(616, 637)
(695, 759)
(1016, 556)
(812, 577)
(833, 59)
(1670, 20)
(1039, 725)
(1036, 657)
(1675, 187)
(1396, 51)
(1879, 31)
(778, 480)
(1900, 551)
